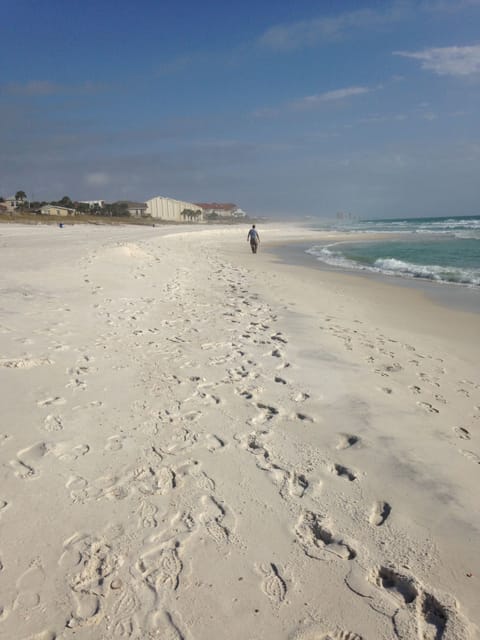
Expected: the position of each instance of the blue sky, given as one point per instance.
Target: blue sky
(285, 108)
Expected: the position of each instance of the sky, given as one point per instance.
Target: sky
(288, 109)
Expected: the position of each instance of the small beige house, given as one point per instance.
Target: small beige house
(56, 210)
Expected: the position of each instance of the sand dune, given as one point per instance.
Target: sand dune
(200, 443)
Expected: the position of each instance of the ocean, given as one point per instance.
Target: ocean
(445, 250)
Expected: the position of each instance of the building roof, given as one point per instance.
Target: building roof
(220, 206)
(56, 206)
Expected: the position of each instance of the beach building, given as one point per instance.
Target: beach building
(174, 210)
(10, 204)
(222, 209)
(56, 210)
(13, 203)
(93, 204)
(135, 209)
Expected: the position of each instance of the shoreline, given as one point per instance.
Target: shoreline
(446, 294)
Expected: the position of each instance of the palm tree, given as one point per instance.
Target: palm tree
(66, 202)
(21, 196)
(187, 213)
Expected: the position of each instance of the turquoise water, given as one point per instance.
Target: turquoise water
(440, 249)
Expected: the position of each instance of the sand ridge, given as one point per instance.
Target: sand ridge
(184, 455)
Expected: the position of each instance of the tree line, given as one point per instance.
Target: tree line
(117, 209)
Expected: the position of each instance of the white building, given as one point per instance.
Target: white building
(222, 209)
(10, 204)
(94, 204)
(172, 210)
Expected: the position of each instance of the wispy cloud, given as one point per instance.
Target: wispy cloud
(46, 88)
(452, 61)
(448, 5)
(310, 102)
(325, 29)
(385, 118)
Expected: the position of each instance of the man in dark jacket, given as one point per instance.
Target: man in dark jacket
(253, 238)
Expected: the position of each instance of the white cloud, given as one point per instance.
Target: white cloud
(311, 32)
(309, 102)
(453, 61)
(97, 179)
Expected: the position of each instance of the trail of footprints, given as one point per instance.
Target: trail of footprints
(416, 611)
(388, 358)
(104, 590)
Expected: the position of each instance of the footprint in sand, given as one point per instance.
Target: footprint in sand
(25, 465)
(29, 586)
(89, 562)
(462, 433)
(266, 413)
(318, 542)
(120, 618)
(114, 443)
(414, 611)
(80, 491)
(53, 423)
(344, 472)
(273, 585)
(418, 613)
(251, 442)
(146, 515)
(213, 442)
(347, 440)
(150, 481)
(161, 568)
(293, 484)
(301, 397)
(3, 506)
(167, 626)
(317, 632)
(56, 400)
(303, 417)
(66, 453)
(380, 512)
(204, 482)
(428, 407)
(212, 518)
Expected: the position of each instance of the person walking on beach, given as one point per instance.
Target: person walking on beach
(253, 238)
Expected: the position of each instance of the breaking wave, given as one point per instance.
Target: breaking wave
(395, 267)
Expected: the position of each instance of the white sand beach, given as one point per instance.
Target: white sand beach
(200, 443)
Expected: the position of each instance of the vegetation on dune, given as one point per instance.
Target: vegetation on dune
(28, 212)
